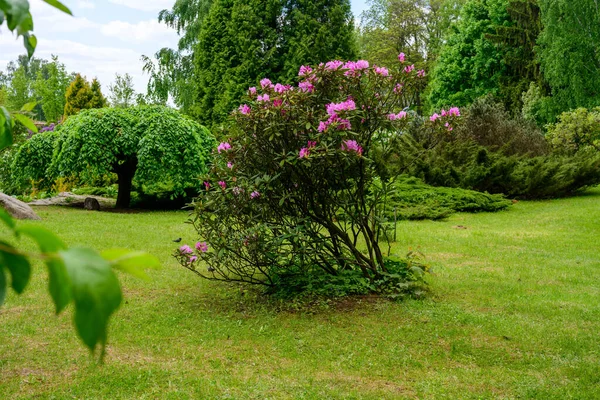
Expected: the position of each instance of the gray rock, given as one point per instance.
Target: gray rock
(17, 208)
(72, 200)
(91, 204)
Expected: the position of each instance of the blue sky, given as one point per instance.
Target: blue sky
(103, 38)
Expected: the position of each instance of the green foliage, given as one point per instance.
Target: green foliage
(408, 198)
(241, 42)
(31, 163)
(470, 166)
(469, 64)
(51, 90)
(576, 130)
(122, 93)
(81, 95)
(98, 100)
(413, 27)
(148, 144)
(568, 52)
(77, 275)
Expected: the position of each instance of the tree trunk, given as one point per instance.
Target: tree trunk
(125, 173)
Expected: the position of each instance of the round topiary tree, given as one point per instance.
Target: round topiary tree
(148, 143)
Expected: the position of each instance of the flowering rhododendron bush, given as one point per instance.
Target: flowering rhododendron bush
(290, 190)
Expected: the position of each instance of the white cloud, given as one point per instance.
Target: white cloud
(86, 4)
(145, 5)
(144, 31)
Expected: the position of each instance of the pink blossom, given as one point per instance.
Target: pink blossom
(206, 185)
(244, 109)
(447, 125)
(222, 184)
(434, 117)
(410, 68)
(400, 115)
(398, 88)
(392, 117)
(185, 249)
(254, 195)
(344, 124)
(224, 146)
(382, 71)
(347, 105)
(322, 126)
(279, 88)
(401, 57)
(306, 86)
(202, 247)
(352, 145)
(335, 64)
(229, 165)
(304, 70)
(304, 153)
(454, 111)
(354, 68)
(263, 97)
(277, 102)
(421, 73)
(193, 259)
(252, 91)
(266, 83)
(311, 144)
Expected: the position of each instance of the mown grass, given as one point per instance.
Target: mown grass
(514, 313)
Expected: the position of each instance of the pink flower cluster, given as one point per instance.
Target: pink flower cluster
(304, 70)
(266, 83)
(252, 91)
(352, 145)
(410, 68)
(401, 57)
(381, 71)
(185, 249)
(454, 111)
(332, 65)
(355, 67)
(400, 115)
(202, 247)
(244, 109)
(279, 88)
(224, 146)
(421, 73)
(398, 88)
(222, 184)
(254, 195)
(263, 97)
(306, 86)
(305, 151)
(334, 108)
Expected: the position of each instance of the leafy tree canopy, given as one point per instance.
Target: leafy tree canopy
(148, 143)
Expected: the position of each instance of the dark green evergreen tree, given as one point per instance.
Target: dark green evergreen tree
(241, 42)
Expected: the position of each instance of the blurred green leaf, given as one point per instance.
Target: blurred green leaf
(58, 279)
(29, 107)
(2, 285)
(26, 121)
(96, 292)
(5, 128)
(59, 5)
(19, 268)
(131, 262)
(7, 219)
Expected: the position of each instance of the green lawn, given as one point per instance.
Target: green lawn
(514, 313)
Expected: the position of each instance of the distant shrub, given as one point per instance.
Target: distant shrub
(488, 124)
(411, 199)
(576, 130)
(470, 166)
